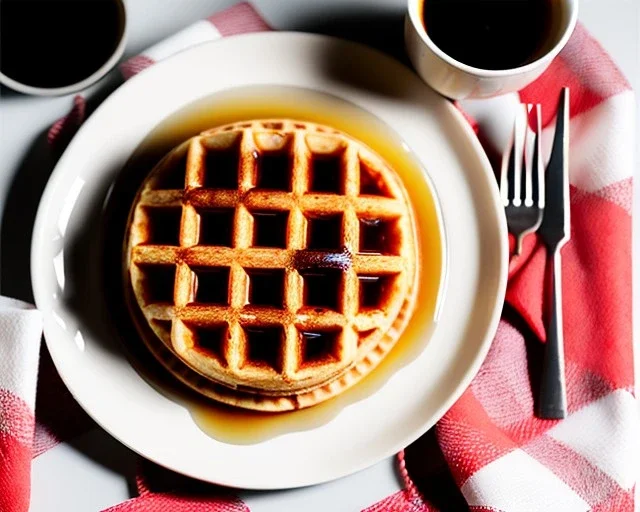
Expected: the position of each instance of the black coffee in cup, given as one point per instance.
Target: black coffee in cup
(56, 43)
(490, 34)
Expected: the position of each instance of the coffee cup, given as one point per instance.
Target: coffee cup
(56, 47)
(484, 48)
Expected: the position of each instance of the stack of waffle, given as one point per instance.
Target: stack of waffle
(271, 264)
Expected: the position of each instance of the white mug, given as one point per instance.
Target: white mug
(457, 80)
(86, 81)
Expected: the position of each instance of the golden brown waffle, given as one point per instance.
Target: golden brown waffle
(274, 258)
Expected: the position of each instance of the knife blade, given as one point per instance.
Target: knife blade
(555, 229)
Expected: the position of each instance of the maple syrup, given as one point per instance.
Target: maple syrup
(239, 426)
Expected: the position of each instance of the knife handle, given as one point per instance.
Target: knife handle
(553, 394)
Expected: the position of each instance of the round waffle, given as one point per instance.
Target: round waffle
(274, 260)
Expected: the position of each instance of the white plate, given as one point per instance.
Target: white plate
(411, 401)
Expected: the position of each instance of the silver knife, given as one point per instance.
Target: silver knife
(555, 231)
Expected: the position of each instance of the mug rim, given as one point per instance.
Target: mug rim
(418, 26)
(107, 66)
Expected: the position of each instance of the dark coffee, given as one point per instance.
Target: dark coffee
(489, 34)
(55, 43)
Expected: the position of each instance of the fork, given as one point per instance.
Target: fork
(522, 175)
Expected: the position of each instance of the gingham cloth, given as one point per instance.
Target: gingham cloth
(489, 452)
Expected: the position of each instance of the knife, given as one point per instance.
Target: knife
(555, 231)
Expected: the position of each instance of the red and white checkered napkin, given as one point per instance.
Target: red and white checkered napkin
(489, 452)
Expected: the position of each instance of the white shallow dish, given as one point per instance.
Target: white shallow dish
(98, 374)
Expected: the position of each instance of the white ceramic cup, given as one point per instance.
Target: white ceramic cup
(457, 80)
(85, 82)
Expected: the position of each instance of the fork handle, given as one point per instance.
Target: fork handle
(553, 395)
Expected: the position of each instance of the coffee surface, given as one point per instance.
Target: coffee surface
(55, 43)
(489, 34)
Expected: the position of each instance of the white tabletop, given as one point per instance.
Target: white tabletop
(95, 471)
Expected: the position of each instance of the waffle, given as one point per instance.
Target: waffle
(275, 262)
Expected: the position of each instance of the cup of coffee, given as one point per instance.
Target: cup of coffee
(484, 48)
(55, 47)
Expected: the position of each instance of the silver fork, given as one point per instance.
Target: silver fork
(522, 176)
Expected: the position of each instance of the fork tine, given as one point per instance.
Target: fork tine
(511, 175)
(506, 170)
(536, 190)
(511, 167)
(538, 169)
(519, 133)
(528, 157)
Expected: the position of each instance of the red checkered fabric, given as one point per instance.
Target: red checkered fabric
(489, 452)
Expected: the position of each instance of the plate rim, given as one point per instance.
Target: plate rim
(492, 325)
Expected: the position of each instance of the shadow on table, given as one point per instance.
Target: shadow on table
(18, 218)
(23, 198)
(98, 446)
(383, 30)
(8, 92)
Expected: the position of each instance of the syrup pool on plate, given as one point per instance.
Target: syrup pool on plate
(239, 426)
